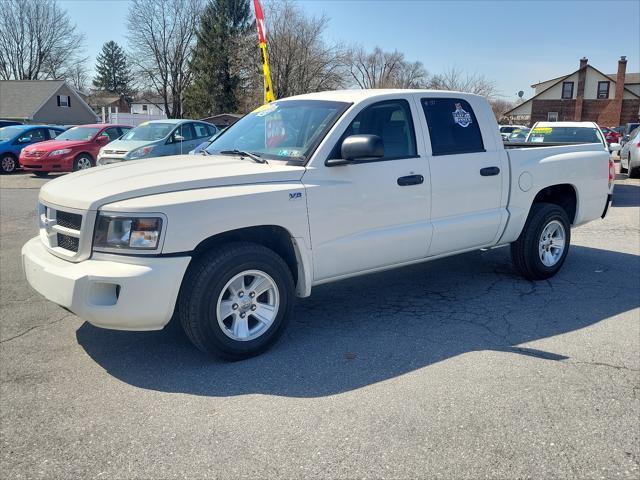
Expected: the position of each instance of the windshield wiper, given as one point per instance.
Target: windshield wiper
(256, 158)
(204, 152)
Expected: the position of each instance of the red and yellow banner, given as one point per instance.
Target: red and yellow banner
(262, 38)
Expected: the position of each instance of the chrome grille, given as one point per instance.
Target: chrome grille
(61, 230)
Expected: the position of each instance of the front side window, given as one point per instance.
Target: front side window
(567, 90)
(112, 133)
(552, 116)
(286, 130)
(453, 127)
(185, 131)
(390, 120)
(603, 90)
(36, 135)
(149, 131)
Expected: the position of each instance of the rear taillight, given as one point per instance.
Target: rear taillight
(612, 172)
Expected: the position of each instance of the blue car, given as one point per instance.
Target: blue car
(14, 138)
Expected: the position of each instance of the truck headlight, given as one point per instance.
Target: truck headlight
(127, 233)
(139, 152)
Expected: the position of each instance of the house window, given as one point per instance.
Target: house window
(567, 90)
(64, 101)
(144, 108)
(552, 116)
(603, 90)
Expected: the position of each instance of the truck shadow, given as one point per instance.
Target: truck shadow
(366, 330)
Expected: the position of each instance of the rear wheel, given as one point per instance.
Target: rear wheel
(8, 163)
(82, 162)
(633, 172)
(235, 301)
(544, 242)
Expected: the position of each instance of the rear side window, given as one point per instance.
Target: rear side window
(391, 120)
(453, 127)
(201, 130)
(54, 133)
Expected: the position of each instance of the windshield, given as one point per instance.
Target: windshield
(7, 133)
(565, 134)
(78, 133)
(149, 131)
(286, 130)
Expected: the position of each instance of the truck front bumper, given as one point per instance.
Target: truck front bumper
(106, 292)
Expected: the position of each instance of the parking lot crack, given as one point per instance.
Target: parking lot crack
(34, 328)
(608, 365)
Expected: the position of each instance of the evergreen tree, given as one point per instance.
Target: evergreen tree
(113, 72)
(216, 66)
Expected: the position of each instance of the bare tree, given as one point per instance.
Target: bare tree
(456, 79)
(380, 69)
(161, 35)
(500, 106)
(301, 61)
(37, 41)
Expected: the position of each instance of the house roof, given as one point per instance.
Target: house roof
(629, 78)
(560, 79)
(23, 98)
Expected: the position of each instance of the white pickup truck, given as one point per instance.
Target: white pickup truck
(301, 192)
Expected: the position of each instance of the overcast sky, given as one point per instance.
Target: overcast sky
(515, 43)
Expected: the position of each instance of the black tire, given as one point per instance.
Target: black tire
(525, 250)
(633, 172)
(8, 163)
(82, 159)
(204, 283)
(41, 174)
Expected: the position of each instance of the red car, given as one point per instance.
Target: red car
(610, 135)
(75, 149)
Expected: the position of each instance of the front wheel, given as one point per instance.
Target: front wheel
(236, 300)
(543, 245)
(82, 162)
(8, 164)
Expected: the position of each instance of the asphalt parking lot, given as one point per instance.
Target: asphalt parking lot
(453, 369)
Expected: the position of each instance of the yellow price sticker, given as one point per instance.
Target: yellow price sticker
(543, 130)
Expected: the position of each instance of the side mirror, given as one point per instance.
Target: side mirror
(178, 138)
(24, 140)
(614, 147)
(103, 139)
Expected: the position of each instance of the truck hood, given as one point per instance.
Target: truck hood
(90, 189)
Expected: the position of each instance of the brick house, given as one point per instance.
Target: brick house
(584, 95)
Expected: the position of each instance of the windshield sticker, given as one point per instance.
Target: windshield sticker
(265, 109)
(143, 124)
(542, 130)
(461, 117)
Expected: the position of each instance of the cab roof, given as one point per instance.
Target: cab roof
(358, 95)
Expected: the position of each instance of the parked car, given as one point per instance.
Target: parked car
(626, 134)
(157, 138)
(519, 135)
(14, 138)
(506, 130)
(205, 144)
(567, 132)
(8, 123)
(630, 155)
(75, 149)
(223, 242)
(610, 135)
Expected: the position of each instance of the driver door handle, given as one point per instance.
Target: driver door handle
(410, 180)
(489, 171)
